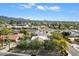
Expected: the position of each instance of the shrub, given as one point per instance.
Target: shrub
(36, 44)
(23, 45)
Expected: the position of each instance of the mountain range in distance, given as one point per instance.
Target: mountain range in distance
(6, 18)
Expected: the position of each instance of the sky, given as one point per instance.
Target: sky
(41, 11)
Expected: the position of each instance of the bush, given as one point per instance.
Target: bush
(56, 35)
(58, 46)
(36, 44)
(23, 45)
(48, 45)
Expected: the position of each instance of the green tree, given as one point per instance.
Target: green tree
(6, 31)
(56, 35)
(66, 33)
(27, 33)
(12, 22)
(2, 22)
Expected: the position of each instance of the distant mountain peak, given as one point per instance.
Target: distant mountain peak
(6, 18)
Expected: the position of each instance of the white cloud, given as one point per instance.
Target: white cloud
(55, 8)
(40, 7)
(46, 7)
(26, 6)
(30, 5)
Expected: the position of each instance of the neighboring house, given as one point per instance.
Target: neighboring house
(16, 27)
(74, 36)
(73, 39)
(40, 37)
(14, 38)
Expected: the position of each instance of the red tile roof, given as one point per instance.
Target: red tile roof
(11, 37)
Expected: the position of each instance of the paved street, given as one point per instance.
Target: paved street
(12, 54)
(73, 51)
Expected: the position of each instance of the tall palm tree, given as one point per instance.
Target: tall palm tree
(9, 43)
(1, 41)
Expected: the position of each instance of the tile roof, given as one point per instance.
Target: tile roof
(11, 37)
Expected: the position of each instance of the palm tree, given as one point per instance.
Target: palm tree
(9, 41)
(1, 41)
(7, 31)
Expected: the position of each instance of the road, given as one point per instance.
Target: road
(73, 51)
(12, 54)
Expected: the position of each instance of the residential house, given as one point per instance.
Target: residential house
(14, 37)
(40, 37)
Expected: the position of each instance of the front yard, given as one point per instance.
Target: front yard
(48, 48)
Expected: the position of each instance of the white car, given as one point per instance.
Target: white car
(74, 45)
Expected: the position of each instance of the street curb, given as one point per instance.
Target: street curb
(69, 53)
